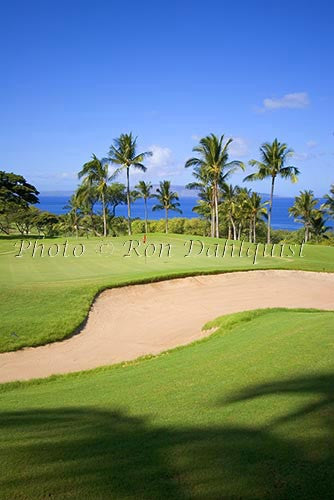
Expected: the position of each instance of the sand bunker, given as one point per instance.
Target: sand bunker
(125, 323)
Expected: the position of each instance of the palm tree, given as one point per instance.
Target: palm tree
(272, 164)
(95, 173)
(329, 203)
(256, 209)
(213, 159)
(318, 225)
(144, 191)
(303, 210)
(124, 153)
(242, 212)
(73, 206)
(229, 208)
(205, 205)
(168, 201)
(87, 198)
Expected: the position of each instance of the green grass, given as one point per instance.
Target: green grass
(46, 299)
(246, 413)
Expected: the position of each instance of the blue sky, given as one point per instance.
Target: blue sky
(75, 74)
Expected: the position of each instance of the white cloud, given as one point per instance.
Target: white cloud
(297, 100)
(310, 155)
(160, 165)
(239, 147)
(300, 156)
(161, 157)
(311, 144)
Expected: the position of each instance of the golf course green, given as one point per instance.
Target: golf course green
(245, 413)
(44, 299)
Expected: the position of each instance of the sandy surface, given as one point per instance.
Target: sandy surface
(132, 321)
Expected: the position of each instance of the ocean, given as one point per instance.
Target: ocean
(55, 203)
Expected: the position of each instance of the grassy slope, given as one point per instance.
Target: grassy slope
(46, 299)
(247, 412)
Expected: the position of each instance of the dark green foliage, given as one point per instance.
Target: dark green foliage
(14, 189)
(15, 195)
(274, 157)
(115, 196)
(212, 168)
(123, 152)
(167, 200)
(329, 203)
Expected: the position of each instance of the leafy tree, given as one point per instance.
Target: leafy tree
(318, 226)
(15, 194)
(242, 209)
(212, 163)
(229, 208)
(115, 196)
(168, 200)
(95, 174)
(92, 223)
(256, 210)
(87, 198)
(124, 153)
(303, 210)
(202, 208)
(176, 225)
(14, 189)
(73, 218)
(45, 223)
(196, 226)
(118, 226)
(205, 204)
(25, 218)
(273, 164)
(138, 226)
(328, 206)
(144, 190)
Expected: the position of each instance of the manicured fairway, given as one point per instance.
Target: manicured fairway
(46, 298)
(246, 413)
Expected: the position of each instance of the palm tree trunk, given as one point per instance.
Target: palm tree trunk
(270, 209)
(76, 224)
(166, 220)
(234, 229)
(216, 212)
(254, 229)
(104, 216)
(128, 198)
(239, 232)
(229, 231)
(145, 201)
(306, 234)
(92, 223)
(250, 231)
(212, 219)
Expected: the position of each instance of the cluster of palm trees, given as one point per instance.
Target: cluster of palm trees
(212, 168)
(98, 186)
(305, 212)
(235, 208)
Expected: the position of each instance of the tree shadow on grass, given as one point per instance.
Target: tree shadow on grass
(321, 386)
(90, 453)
